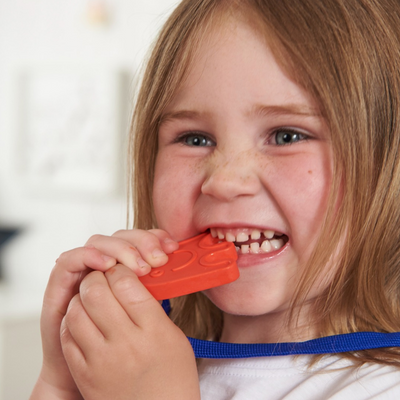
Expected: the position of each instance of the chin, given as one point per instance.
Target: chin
(244, 303)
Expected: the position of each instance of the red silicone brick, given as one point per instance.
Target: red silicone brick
(200, 263)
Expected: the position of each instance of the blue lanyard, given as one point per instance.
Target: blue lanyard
(326, 345)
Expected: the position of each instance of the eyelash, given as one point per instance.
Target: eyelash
(273, 136)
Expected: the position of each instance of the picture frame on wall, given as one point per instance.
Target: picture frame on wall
(71, 130)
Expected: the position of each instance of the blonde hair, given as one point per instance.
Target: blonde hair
(346, 54)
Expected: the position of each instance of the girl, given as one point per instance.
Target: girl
(275, 125)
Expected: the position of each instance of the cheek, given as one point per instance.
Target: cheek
(175, 190)
(302, 187)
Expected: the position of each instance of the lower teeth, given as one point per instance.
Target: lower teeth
(245, 248)
(266, 247)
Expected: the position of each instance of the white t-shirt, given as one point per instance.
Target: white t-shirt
(290, 378)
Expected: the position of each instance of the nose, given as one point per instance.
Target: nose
(231, 175)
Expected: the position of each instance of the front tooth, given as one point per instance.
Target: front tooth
(229, 237)
(244, 248)
(214, 233)
(266, 246)
(242, 237)
(269, 234)
(221, 235)
(254, 247)
(276, 244)
(256, 234)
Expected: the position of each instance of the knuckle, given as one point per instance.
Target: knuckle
(92, 293)
(65, 339)
(156, 231)
(94, 239)
(71, 317)
(125, 283)
(64, 333)
(141, 239)
(148, 240)
(90, 256)
(63, 257)
(120, 233)
(73, 311)
(129, 248)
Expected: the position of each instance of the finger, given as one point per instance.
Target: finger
(137, 236)
(123, 251)
(63, 284)
(137, 249)
(141, 307)
(168, 244)
(101, 306)
(81, 328)
(67, 274)
(153, 244)
(73, 354)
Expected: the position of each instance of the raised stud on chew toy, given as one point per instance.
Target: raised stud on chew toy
(200, 263)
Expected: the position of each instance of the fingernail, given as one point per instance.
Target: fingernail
(158, 253)
(142, 263)
(168, 240)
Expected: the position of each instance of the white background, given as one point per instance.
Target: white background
(52, 35)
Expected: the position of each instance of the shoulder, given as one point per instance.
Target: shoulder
(291, 378)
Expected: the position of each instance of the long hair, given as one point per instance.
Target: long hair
(346, 55)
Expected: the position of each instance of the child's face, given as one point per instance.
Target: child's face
(242, 150)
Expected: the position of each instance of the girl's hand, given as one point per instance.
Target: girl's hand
(55, 381)
(120, 344)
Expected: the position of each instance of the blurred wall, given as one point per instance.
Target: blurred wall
(57, 35)
(66, 80)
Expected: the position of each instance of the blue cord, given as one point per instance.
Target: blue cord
(325, 345)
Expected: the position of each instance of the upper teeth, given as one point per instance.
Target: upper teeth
(266, 246)
(242, 236)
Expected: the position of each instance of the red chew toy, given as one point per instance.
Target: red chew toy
(200, 263)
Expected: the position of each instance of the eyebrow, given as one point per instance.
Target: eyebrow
(287, 109)
(184, 114)
(256, 110)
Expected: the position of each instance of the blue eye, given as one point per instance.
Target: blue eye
(287, 136)
(196, 140)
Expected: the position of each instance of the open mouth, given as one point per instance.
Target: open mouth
(252, 241)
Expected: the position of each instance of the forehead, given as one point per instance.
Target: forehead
(235, 52)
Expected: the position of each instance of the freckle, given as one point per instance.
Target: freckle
(310, 172)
